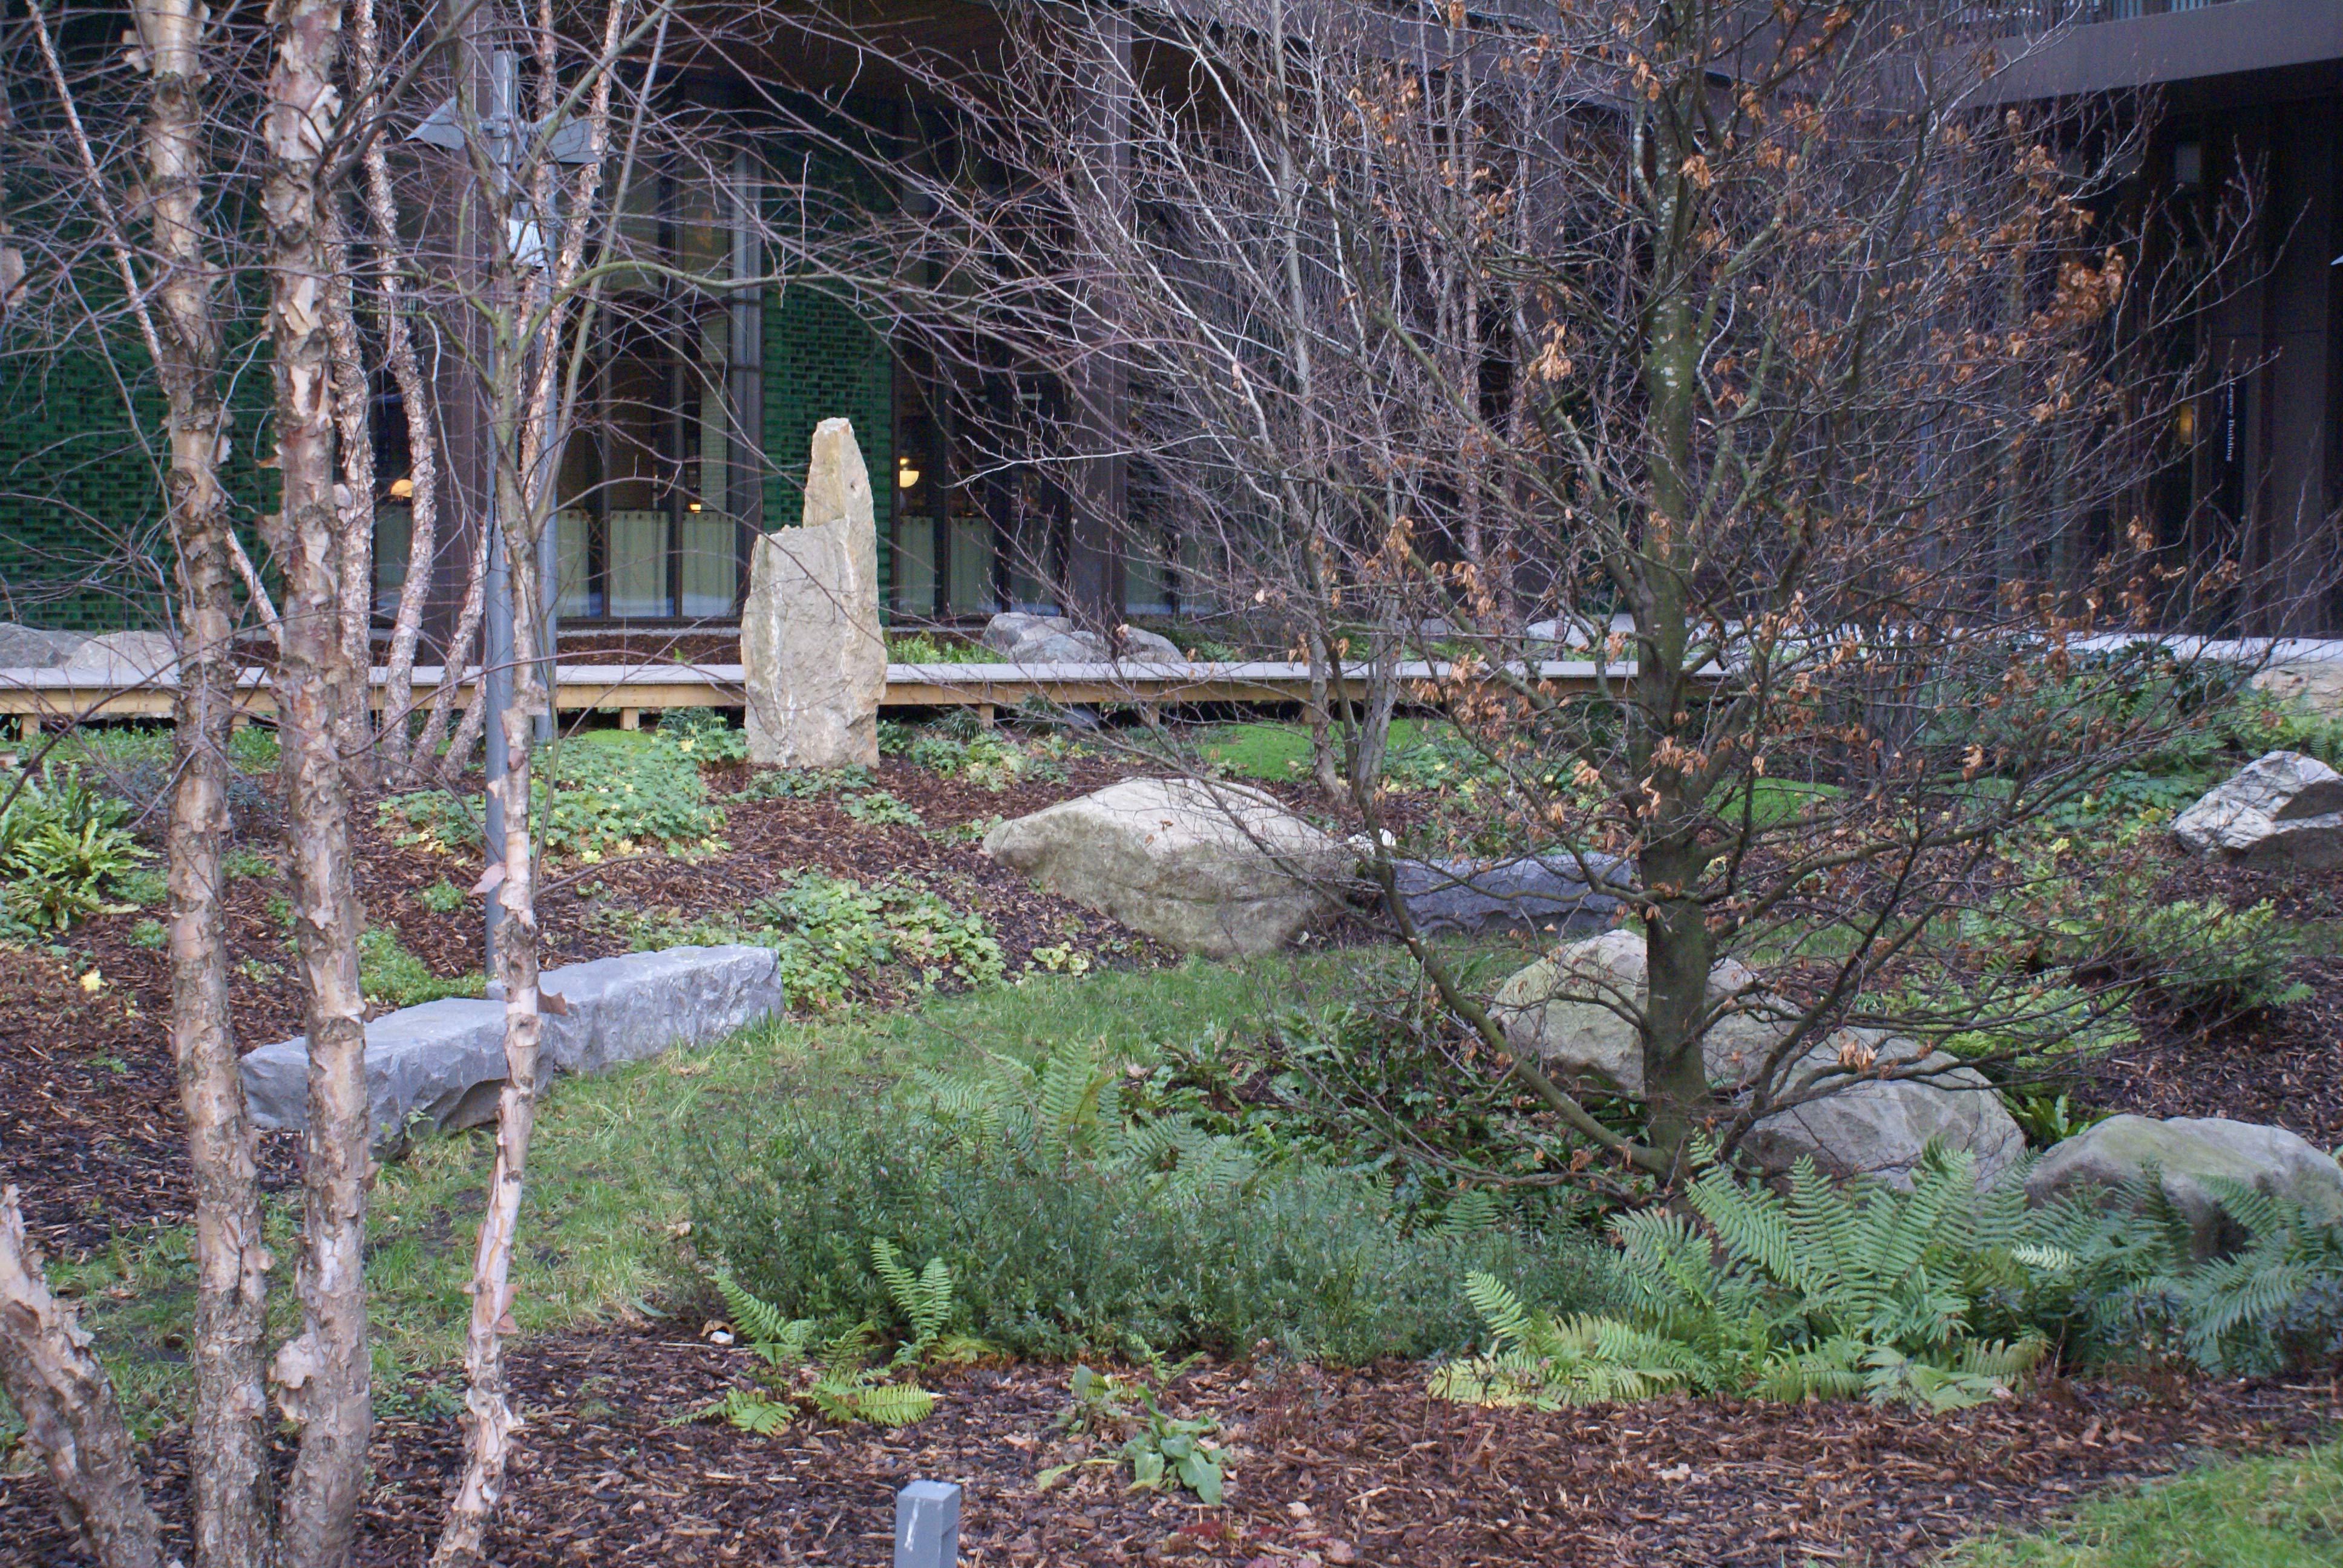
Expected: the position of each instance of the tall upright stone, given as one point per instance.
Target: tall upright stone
(814, 656)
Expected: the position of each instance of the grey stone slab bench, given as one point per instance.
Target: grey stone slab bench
(440, 1065)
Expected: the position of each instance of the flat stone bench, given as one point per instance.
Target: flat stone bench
(440, 1067)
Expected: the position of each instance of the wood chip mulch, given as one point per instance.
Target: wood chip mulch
(2285, 1067)
(1325, 1467)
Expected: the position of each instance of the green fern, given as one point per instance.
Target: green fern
(925, 1298)
(1827, 1293)
(846, 1389)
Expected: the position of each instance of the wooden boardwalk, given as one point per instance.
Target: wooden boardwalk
(51, 697)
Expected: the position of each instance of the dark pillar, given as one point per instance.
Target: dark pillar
(1102, 475)
(2299, 329)
(454, 228)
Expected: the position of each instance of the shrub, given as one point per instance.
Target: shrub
(924, 647)
(442, 898)
(2210, 959)
(1373, 1090)
(881, 810)
(1828, 1291)
(601, 800)
(703, 734)
(988, 760)
(2128, 1281)
(1070, 1227)
(61, 845)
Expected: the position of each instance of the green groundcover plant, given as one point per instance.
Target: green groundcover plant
(602, 800)
(63, 849)
(1070, 1227)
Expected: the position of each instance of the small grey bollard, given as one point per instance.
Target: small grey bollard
(927, 1525)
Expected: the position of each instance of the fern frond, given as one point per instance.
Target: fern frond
(779, 1339)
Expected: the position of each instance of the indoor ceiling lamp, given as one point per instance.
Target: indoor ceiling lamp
(402, 490)
(906, 475)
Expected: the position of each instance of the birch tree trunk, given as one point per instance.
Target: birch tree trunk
(525, 427)
(227, 1449)
(71, 1419)
(323, 1374)
(392, 735)
(354, 501)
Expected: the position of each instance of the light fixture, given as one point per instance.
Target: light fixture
(2183, 425)
(692, 506)
(402, 490)
(906, 475)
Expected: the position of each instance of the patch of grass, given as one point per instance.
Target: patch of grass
(2280, 1512)
(1266, 750)
(394, 977)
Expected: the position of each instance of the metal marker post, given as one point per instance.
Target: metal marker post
(927, 1525)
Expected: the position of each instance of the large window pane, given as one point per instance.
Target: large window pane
(638, 563)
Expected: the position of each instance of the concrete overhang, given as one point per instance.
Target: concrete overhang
(2234, 38)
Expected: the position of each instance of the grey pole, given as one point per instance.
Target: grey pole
(496, 647)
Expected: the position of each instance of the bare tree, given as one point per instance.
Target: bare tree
(1761, 353)
(172, 304)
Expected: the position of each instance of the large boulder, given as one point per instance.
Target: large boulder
(115, 658)
(2308, 673)
(125, 657)
(1204, 867)
(813, 656)
(1021, 639)
(1879, 1126)
(1574, 1012)
(30, 647)
(2185, 1153)
(639, 1005)
(1547, 892)
(2282, 808)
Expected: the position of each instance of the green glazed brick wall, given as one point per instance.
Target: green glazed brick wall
(822, 361)
(82, 538)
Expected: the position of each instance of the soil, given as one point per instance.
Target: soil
(1324, 1467)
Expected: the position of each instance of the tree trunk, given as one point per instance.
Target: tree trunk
(354, 500)
(488, 1418)
(422, 441)
(228, 1446)
(71, 1419)
(324, 1376)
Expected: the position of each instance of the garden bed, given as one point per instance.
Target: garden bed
(1326, 1466)
(89, 1113)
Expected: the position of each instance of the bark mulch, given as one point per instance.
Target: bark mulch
(2284, 1067)
(1325, 1467)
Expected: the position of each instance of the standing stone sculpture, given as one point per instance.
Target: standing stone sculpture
(813, 655)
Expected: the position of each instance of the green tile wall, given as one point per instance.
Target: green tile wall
(81, 542)
(822, 361)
